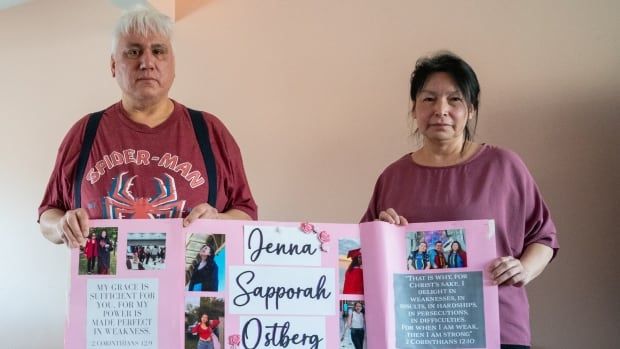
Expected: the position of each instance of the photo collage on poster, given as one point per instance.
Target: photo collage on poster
(351, 304)
(204, 270)
(100, 254)
(205, 266)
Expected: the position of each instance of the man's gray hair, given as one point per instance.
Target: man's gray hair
(143, 20)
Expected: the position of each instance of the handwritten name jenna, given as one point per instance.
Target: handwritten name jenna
(277, 293)
(257, 245)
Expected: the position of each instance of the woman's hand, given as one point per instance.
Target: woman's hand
(392, 217)
(509, 271)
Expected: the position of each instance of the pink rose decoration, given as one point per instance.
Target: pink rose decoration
(234, 339)
(307, 228)
(324, 237)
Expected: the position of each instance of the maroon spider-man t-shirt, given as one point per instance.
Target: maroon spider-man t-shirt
(135, 171)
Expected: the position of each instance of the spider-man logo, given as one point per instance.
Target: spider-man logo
(122, 204)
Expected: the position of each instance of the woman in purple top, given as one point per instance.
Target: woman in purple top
(451, 177)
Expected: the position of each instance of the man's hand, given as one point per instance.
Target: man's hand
(70, 227)
(73, 227)
(207, 211)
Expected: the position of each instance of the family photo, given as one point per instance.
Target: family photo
(401, 123)
(437, 249)
(98, 255)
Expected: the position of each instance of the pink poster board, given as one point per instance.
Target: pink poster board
(453, 307)
(280, 285)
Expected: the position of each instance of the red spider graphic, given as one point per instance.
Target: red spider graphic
(122, 204)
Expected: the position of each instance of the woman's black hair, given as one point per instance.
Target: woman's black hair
(210, 242)
(463, 75)
(456, 242)
(212, 248)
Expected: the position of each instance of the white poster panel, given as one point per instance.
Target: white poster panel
(270, 245)
(121, 313)
(282, 332)
(281, 290)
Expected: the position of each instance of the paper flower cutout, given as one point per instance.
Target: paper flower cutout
(234, 340)
(307, 228)
(323, 236)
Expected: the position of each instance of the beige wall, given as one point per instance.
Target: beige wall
(315, 93)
